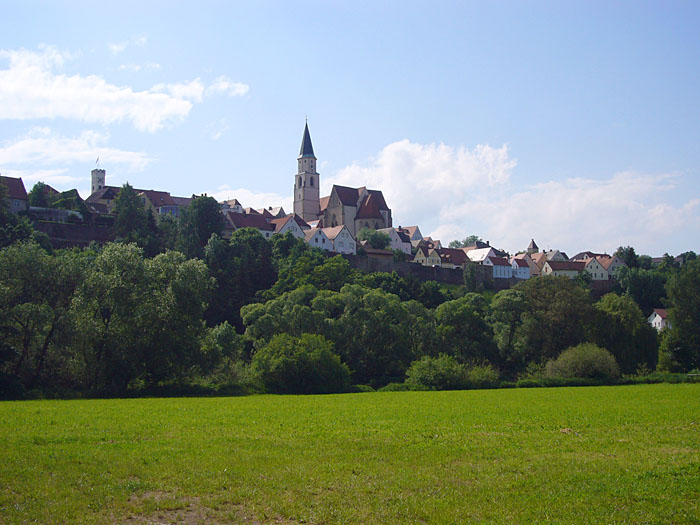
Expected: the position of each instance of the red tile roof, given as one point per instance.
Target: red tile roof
(158, 198)
(567, 265)
(661, 312)
(301, 222)
(241, 220)
(324, 202)
(15, 188)
(522, 263)
(499, 261)
(333, 232)
(453, 255)
(280, 223)
(369, 209)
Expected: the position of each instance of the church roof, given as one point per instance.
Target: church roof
(307, 150)
(348, 196)
(369, 209)
(324, 202)
(533, 245)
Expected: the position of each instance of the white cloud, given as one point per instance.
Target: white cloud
(136, 40)
(225, 86)
(218, 129)
(42, 147)
(252, 199)
(30, 88)
(192, 90)
(452, 192)
(135, 68)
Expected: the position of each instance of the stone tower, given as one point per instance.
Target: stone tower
(306, 182)
(98, 180)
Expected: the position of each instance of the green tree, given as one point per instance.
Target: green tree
(508, 308)
(557, 315)
(621, 328)
(443, 372)
(130, 220)
(463, 331)
(586, 360)
(470, 240)
(36, 290)
(628, 255)
(646, 287)
(198, 222)
(37, 196)
(682, 342)
(13, 227)
(376, 239)
(303, 365)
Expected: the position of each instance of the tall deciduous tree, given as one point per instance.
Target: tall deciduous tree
(682, 342)
(198, 222)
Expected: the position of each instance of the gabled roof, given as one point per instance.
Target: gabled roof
(323, 201)
(250, 211)
(607, 261)
(348, 196)
(521, 263)
(587, 255)
(241, 220)
(661, 312)
(566, 265)
(369, 208)
(499, 261)
(403, 236)
(379, 197)
(158, 198)
(15, 188)
(333, 232)
(265, 213)
(453, 255)
(183, 202)
(301, 222)
(281, 223)
(411, 230)
(479, 254)
(106, 193)
(310, 233)
(532, 245)
(306, 150)
(233, 202)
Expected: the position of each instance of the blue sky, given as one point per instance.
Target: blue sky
(576, 123)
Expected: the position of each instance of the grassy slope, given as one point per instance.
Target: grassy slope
(631, 454)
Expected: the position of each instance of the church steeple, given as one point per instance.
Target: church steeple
(306, 182)
(307, 149)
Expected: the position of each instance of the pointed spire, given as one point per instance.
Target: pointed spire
(307, 150)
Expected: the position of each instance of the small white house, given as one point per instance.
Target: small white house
(343, 241)
(659, 319)
(521, 270)
(315, 238)
(396, 240)
(480, 255)
(287, 224)
(596, 270)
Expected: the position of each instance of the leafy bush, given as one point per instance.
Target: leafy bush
(394, 387)
(586, 361)
(362, 388)
(303, 365)
(436, 373)
(546, 382)
(482, 376)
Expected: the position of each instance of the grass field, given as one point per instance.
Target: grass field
(596, 454)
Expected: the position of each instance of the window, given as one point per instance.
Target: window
(299, 182)
(311, 181)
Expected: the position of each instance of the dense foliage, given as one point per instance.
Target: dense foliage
(284, 317)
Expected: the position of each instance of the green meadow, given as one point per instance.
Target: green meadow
(569, 455)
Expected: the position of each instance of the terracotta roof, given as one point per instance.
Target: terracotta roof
(241, 220)
(309, 234)
(606, 262)
(265, 213)
(158, 198)
(499, 261)
(15, 188)
(333, 232)
(314, 224)
(411, 230)
(369, 209)
(107, 193)
(587, 255)
(453, 255)
(280, 223)
(566, 265)
(183, 202)
(539, 258)
(522, 263)
(661, 312)
(301, 222)
(324, 202)
(250, 211)
(233, 202)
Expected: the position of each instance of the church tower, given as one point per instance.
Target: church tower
(306, 182)
(98, 180)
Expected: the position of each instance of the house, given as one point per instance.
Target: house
(582, 256)
(287, 224)
(315, 238)
(567, 268)
(397, 240)
(427, 257)
(276, 212)
(343, 241)
(158, 203)
(612, 265)
(16, 194)
(659, 319)
(479, 255)
(413, 233)
(232, 204)
(452, 257)
(521, 269)
(596, 270)
(533, 268)
(235, 221)
(302, 223)
(502, 269)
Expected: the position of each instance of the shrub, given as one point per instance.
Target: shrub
(436, 373)
(585, 361)
(303, 365)
(394, 387)
(482, 376)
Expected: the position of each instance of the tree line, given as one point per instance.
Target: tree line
(279, 316)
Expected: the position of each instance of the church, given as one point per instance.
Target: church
(356, 208)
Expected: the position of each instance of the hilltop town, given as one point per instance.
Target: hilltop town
(332, 223)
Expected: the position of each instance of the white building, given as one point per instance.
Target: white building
(501, 267)
(398, 241)
(659, 319)
(342, 239)
(521, 269)
(315, 238)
